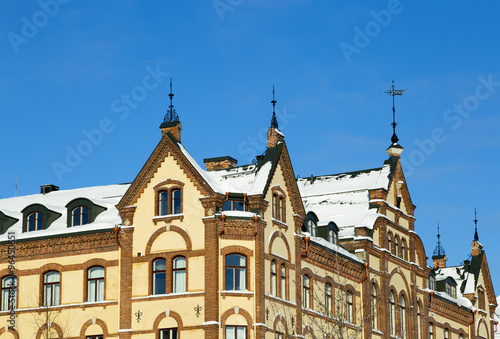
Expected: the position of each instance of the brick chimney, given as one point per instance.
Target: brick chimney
(439, 261)
(214, 164)
(395, 150)
(274, 136)
(476, 248)
(174, 127)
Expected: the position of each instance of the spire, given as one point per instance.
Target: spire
(171, 114)
(393, 92)
(476, 236)
(439, 250)
(274, 121)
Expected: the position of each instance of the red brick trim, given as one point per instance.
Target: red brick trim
(236, 249)
(168, 182)
(13, 332)
(56, 327)
(280, 319)
(308, 330)
(282, 236)
(173, 228)
(89, 323)
(230, 312)
(395, 271)
(163, 315)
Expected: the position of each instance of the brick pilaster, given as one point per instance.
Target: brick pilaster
(126, 275)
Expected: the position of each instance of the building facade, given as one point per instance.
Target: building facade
(233, 252)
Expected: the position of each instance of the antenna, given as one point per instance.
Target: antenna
(274, 121)
(476, 236)
(393, 92)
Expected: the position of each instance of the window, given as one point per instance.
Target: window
(279, 335)
(402, 317)
(278, 204)
(9, 289)
(79, 216)
(374, 307)
(236, 332)
(396, 246)
(389, 242)
(163, 203)
(94, 337)
(235, 272)
(169, 333)
(179, 275)
(281, 214)
(480, 294)
(176, 201)
(273, 278)
(446, 334)
(460, 336)
(51, 288)
(275, 205)
(431, 331)
(307, 291)
(350, 307)
(234, 205)
(35, 221)
(159, 276)
(283, 282)
(419, 322)
(332, 236)
(328, 300)
(403, 249)
(311, 227)
(95, 277)
(432, 282)
(392, 313)
(451, 290)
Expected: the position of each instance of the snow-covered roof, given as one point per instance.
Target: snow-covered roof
(104, 196)
(250, 179)
(462, 278)
(344, 198)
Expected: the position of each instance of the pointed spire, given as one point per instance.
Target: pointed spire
(274, 121)
(439, 250)
(476, 236)
(171, 113)
(393, 92)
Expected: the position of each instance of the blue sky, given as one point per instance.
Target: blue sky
(84, 87)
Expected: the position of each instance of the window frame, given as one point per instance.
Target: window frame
(274, 279)
(55, 297)
(232, 206)
(431, 330)
(234, 269)
(96, 282)
(38, 221)
(278, 202)
(176, 201)
(392, 313)
(374, 306)
(235, 328)
(11, 293)
(328, 299)
(170, 329)
(283, 283)
(402, 316)
(349, 295)
(306, 292)
(158, 272)
(80, 208)
(175, 271)
(165, 202)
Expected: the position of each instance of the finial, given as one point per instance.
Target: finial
(171, 113)
(274, 121)
(439, 250)
(392, 92)
(476, 236)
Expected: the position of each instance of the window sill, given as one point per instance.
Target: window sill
(245, 293)
(168, 218)
(280, 224)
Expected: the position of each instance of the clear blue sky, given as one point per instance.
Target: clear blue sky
(70, 69)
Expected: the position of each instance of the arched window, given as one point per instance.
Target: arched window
(35, 221)
(176, 201)
(95, 284)
(432, 282)
(374, 310)
(306, 291)
(179, 275)
(389, 242)
(163, 203)
(283, 282)
(273, 278)
(480, 295)
(79, 216)
(396, 246)
(275, 206)
(159, 276)
(431, 331)
(51, 288)
(460, 336)
(311, 225)
(333, 235)
(328, 299)
(9, 295)
(282, 209)
(446, 333)
(350, 307)
(235, 272)
(392, 313)
(403, 249)
(419, 322)
(402, 317)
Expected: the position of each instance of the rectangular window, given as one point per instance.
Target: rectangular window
(236, 332)
(235, 272)
(169, 333)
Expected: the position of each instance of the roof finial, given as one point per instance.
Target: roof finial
(394, 92)
(274, 121)
(439, 250)
(476, 236)
(171, 113)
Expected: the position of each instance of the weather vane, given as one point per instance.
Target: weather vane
(393, 92)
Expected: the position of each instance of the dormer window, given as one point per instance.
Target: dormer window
(333, 233)
(451, 290)
(234, 205)
(35, 221)
(312, 224)
(432, 282)
(80, 216)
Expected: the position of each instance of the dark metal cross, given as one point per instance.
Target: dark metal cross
(393, 92)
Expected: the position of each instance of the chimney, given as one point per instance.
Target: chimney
(439, 261)
(214, 164)
(44, 189)
(395, 150)
(174, 127)
(476, 248)
(274, 136)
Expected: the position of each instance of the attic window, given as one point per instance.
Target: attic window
(35, 221)
(38, 217)
(432, 282)
(333, 233)
(82, 211)
(312, 224)
(79, 216)
(451, 290)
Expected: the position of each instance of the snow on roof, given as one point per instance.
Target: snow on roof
(250, 179)
(333, 247)
(105, 196)
(460, 276)
(344, 198)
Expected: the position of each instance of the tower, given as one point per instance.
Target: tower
(439, 256)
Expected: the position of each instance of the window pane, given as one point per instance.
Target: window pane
(159, 283)
(239, 205)
(179, 281)
(159, 265)
(85, 215)
(76, 216)
(100, 290)
(180, 262)
(230, 333)
(176, 202)
(52, 277)
(226, 206)
(229, 279)
(240, 333)
(56, 294)
(91, 291)
(96, 272)
(241, 279)
(163, 203)
(235, 260)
